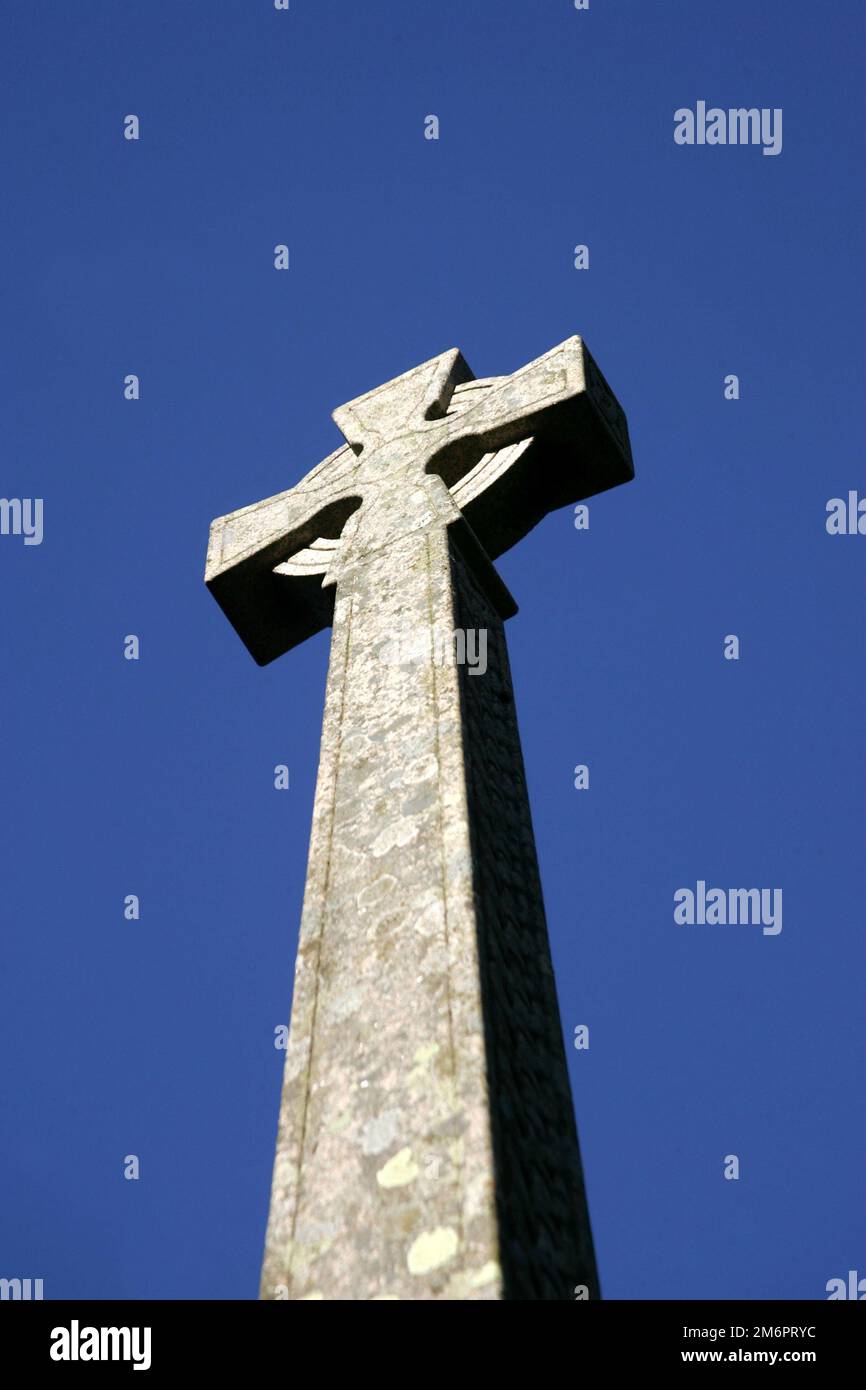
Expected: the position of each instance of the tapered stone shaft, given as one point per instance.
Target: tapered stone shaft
(426, 1147)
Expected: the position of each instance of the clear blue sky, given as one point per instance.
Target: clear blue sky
(156, 778)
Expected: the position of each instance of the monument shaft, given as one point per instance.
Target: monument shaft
(426, 1146)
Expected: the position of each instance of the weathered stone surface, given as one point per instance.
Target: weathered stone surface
(426, 1145)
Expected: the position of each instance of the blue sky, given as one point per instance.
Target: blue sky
(155, 777)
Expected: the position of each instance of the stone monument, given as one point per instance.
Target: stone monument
(427, 1147)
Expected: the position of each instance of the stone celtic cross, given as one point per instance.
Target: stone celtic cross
(427, 1146)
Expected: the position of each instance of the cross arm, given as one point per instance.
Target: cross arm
(246, 545)
(524, 445)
